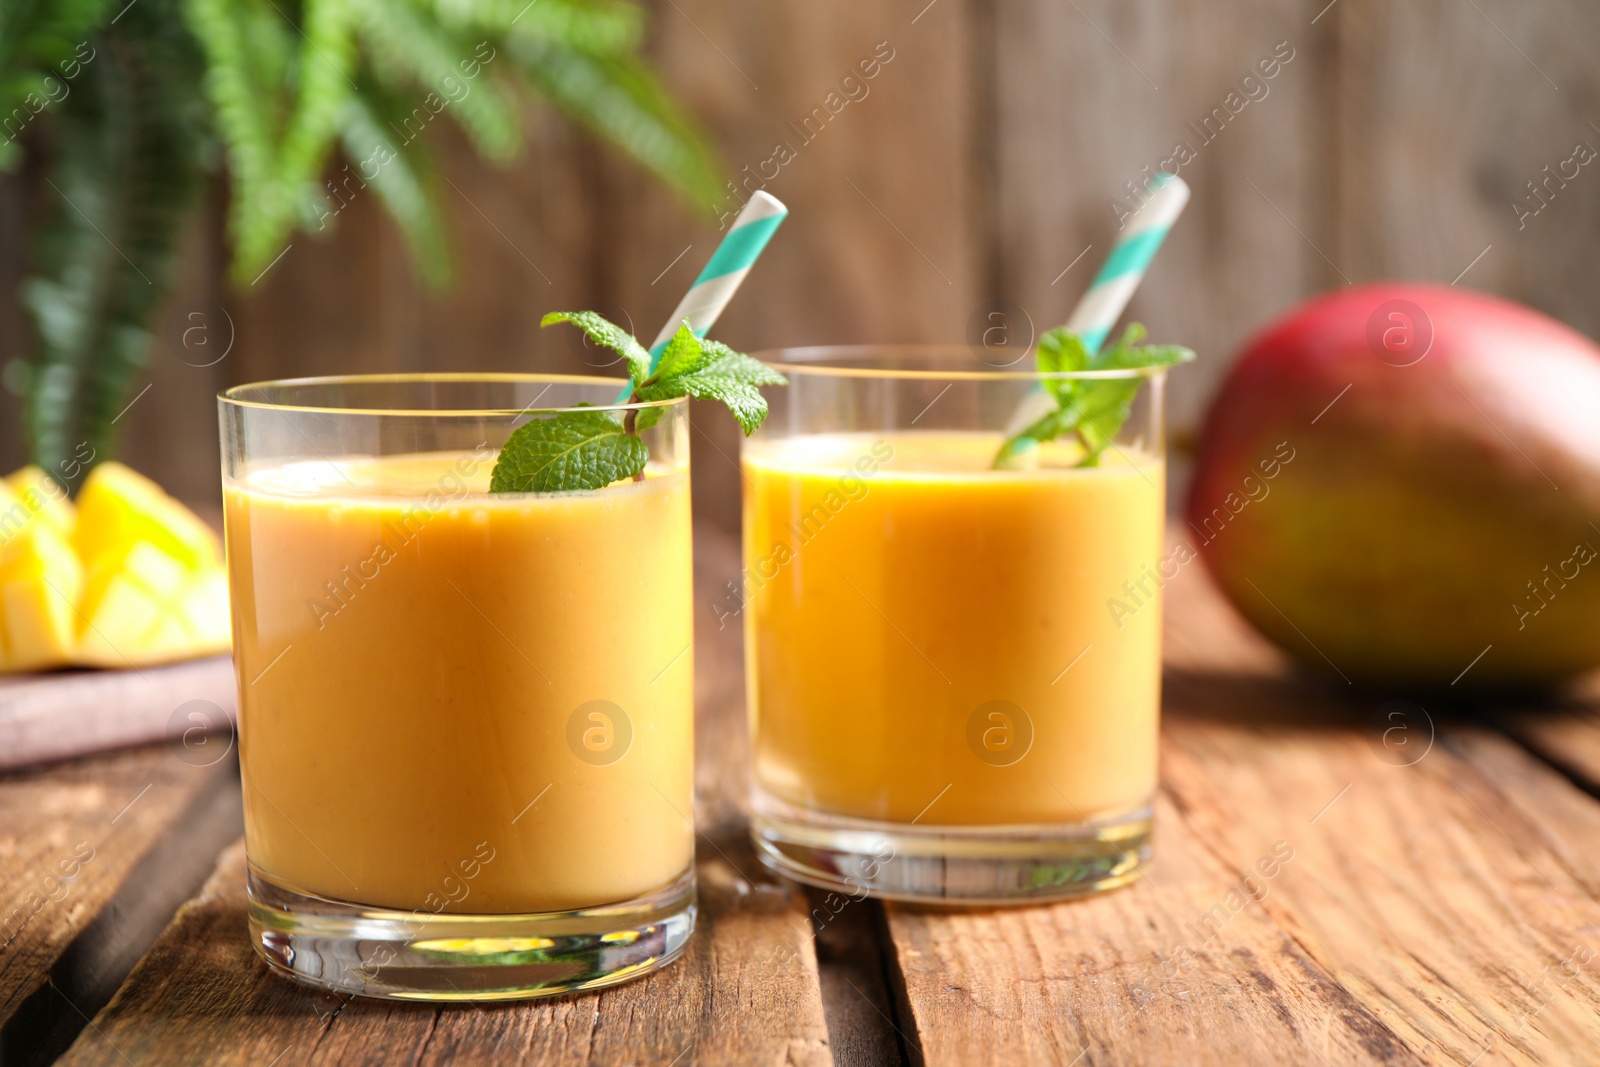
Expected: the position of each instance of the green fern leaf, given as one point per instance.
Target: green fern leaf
(279, 89)
(130, 157)
(400, 176)
(600, 27)
(620, 99)
(403, 38)
(43, 48)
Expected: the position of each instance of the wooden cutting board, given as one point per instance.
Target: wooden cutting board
(64, 714)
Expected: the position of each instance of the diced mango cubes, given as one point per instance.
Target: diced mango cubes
(40, 582)
(118, 506)
(129, 577)
(45, 497)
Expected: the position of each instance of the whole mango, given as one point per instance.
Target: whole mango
(1400, 483)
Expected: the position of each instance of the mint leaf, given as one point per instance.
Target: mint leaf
(1128, 352)
(725, 362)
(647, 417)
(1101, 408)
(1060, 351)
(590, 450)
(609, 334)
(573, 450)
(745, 401)
(683, 353)
(1094, 409)
(1130, 337)
(721, 374)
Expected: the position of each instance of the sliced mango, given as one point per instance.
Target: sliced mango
(142, 606)
(204, 610)
(118, 506)
(45, 498)
(40, 583)
(130, 577)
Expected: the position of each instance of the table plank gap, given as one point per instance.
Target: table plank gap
(1321, 893)
(865, 1028)
(1407, 832)
(1564, 733)
(99, 958)
(76, 842)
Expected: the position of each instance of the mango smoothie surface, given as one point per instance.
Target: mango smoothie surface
(458, 702)
(933, 641)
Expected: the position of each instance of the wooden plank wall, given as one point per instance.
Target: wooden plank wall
(982, 161)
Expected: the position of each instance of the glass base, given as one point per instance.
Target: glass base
(403, 955)
(958, 865)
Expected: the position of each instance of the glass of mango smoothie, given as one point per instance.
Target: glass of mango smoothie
(466, 718)
(953, 694)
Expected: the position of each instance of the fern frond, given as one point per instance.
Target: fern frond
(324, 83)
(402, 37)
(599, 26)
(257, 58)
(620, 99)
(130, 159)
(243, 53)
(39, 58)
(399, 175)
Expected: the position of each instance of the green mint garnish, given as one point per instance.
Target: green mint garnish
(574, 450)
(1093, 410)
(592, 449)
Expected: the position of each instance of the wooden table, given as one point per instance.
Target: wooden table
(1334, 884)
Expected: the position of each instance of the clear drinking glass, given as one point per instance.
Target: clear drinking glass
(954, 671)
(466, 719)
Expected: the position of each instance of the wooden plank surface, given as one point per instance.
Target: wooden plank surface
(1324, 891)
(95, 855)
(1433, 903)
(746, 992)
(1564, 729)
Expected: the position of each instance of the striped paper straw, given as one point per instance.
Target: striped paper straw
(1107, 298)
(726, 269)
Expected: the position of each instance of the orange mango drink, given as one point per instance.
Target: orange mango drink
(457, 702)
(931, 640)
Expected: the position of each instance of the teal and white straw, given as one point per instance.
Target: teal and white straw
(729, 264)
(722, 275)
(1099, 308)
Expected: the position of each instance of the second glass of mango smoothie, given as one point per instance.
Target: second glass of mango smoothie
(953, 670)
(466, 718)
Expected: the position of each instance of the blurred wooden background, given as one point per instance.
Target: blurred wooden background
(980, 165)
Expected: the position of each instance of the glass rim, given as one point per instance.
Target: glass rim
(234, 394)
(858, 361)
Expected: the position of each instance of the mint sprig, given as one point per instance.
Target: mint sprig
(592, 449)
(1092, 409)
(573, 450)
